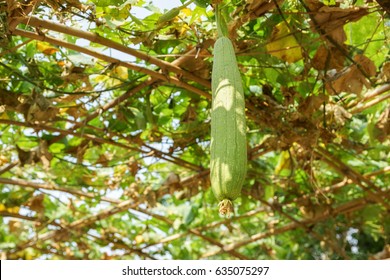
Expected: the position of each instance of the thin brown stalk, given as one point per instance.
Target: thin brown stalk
(93, 37)
(151, 73)
(348, 207)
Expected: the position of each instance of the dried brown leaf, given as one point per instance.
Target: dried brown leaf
(103, 159)
(384, 76)
(311, 104)
(352, 79)
(133, 166)
(77, 111)
(366, 63)
(258, 8)
(132, 191)
(15, 226)
(383, 125)
(151, 197)
(328, 58)
(331, 20)
(35, 203)
(44, 155)
(172, 182)
(337, 113)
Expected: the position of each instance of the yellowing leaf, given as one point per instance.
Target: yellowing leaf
(184, 29)
(186, 12)
(283, 44)
(46, 48)
(121, 72)
(284, 162)
(3, 115)
(63, 111)
(139, 239)
(3, 160)
(99, 78)
(89, 179)
(14, 210)
(61, 63)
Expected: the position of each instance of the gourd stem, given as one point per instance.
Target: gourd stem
(221, 23)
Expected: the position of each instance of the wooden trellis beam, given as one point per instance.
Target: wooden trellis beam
(348, 207)
(95, 38)
(368, 186)
(120, 206)
(154, 74)
(100, 140)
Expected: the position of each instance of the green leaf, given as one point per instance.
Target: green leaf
(57, 148)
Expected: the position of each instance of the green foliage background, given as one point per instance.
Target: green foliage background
(104, 131)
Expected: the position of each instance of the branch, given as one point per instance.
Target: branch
(206, 227)
(53, 187)
(336, 248)
(159, 154)
(14, 49)
(376, 91)
(318, 27)
(385, 4)
(18, 216)
(91, 137)
(9, 167)
(28, 218)
(21, 11)
(166, 78)
(84, 222)
(361, 107)
(96, 139)
(110, 105)
(93, 37)
(346, 181)
(156, 153)
(374, 192)
(196, 231)
(348, 207)
(120, 206)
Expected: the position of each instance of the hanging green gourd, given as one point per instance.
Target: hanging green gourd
(228, 162)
